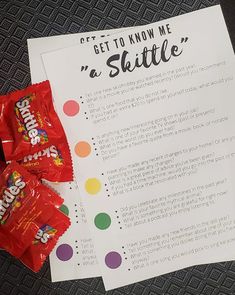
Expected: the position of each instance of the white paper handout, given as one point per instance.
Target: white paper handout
(74, 256)
(150, 116)
(37, 46)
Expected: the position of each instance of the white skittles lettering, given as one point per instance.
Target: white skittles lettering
(43, 237)
(29, 121)
(48, 152)
(9, 196)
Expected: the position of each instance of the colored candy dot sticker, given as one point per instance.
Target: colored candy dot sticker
(113, 260)
(71, 108)
(82, 149)
(102, 221)
(64, 209)
(93, 186)
(64, 252)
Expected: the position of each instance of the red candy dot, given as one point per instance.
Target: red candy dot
(71, 108)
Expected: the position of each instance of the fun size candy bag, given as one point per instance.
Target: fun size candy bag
(25, 204)
(45, 240)
(29, 126)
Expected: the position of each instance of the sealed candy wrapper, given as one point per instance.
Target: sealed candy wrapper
(45, 240)
(29, 126)
(52, 163)
(25, 204)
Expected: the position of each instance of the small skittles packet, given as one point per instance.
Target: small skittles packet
(12, 239)
(29, 124)
(24, 202)
(52, 164)
(45, 240)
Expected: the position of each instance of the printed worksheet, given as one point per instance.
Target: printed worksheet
(37, 46)
(74, 256)
(150, 118)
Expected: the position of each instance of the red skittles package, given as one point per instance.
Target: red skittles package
(14, 238)
(52, 163)
(24, 203)
(45, 240)
(29, 126)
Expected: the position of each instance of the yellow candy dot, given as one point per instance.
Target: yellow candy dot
(93, 186)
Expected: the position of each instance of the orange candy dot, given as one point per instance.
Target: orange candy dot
(82, 149)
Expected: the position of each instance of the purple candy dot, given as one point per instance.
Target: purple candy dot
(64, 252)
(113, 260)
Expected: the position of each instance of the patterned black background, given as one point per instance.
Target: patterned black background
(23, 19)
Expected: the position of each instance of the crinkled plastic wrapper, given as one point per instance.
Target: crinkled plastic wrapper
(25, 205)
(32, 134)
(45, 240)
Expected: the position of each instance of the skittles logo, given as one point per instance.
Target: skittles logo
(11, 196)
(50, 152)
(44, 234)
(29, 123)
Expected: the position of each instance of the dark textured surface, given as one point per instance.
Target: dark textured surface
(24, 19)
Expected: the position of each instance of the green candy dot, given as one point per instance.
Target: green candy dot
(64, 209)
(102, 221)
